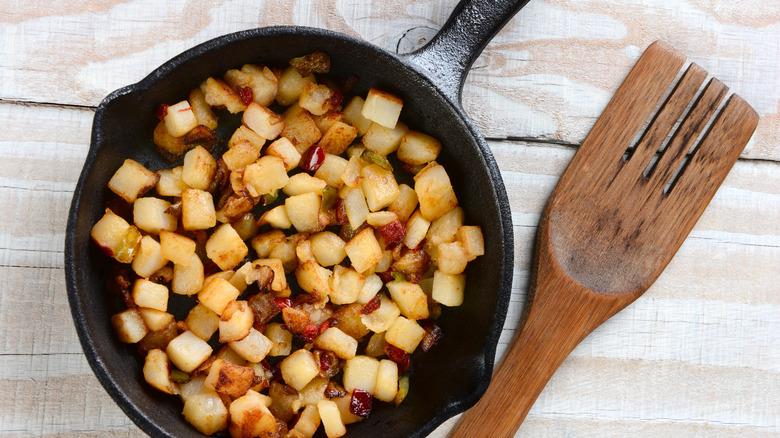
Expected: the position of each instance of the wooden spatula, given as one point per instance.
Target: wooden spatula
(615, 220)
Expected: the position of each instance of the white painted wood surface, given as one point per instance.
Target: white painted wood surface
(698, 355)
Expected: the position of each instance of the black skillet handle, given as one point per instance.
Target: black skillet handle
(447, 58)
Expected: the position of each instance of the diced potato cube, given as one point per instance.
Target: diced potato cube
(448, 288)
(149, 214)
(242, 134)
(129, 326)
(338, 137)
(434, 191)
(250, 418)
(308, 422)
(237, 79)
(301, 183)
(284, 149)
(325, 121)
(299, 368)
(263, 242)
(264, 83)
(280, 337)
(229, 379)
(346, 285)
(188, 351)
(410, 298)
(219, 94)
(383, 317)
(216, 294)
(371, 286)
(316, 98)
(379, 187)
(382, 140)
(202, 109)
(352, 114)
(199, 168)
(206, 412)
(241, 155)
(235, 322)
(157, 372)
(132, 180)
(331, 170)
(180, 119)
(452, 258)
(348, 319)
(168, 146)
(417, 148)
(304, 211)
(254, 347)
(386, 380)
(149, 294)
(445, 228)
(291, 84)
(331, 419)
(188, 279)
(470, 236)
(197, 210)
(276, 217)
(381, 218)
(328, 248)
(155, 320)
(314, 391)
(170, 182)
(314, 279)
(382, 107)
(363, 250)
(225, 247)
(265, 175)
(202, 321)
(285, 251)
(263, 121)
(416, 230)
(351, 175)
(280, 281)
(405, 334)
(300, 128)
(360, 373)
(176, 248)
(335, 340)
(115, 237)
(356, 207)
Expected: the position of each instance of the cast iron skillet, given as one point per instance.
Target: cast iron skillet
(454, 374)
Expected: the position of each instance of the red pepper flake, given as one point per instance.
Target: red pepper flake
(310, 332)
(400, 357)
(371, 305)
(325, 362)
(360, 403)
(189, 108)
(330, 322)
(246, 94)
(283, 302)
(162, 111)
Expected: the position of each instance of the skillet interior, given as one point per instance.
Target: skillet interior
(445, 381)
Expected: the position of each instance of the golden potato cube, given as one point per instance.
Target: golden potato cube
(241, 155)
(157, 372)
(452, 258)
(445, 228)
(188, 279)
(313, 392)
(202, 109)
(154, 319)
(249, 417)
(405, 334)
(219, 93)
(188, 351)
(263, 242)
(202, 321)
(242, 134)
(168, 146)
(280, 281)
(356, 207)
(360, 373)
(381, 218)
(284, 149)
(206, 412)
(352, 114)
(199, 168)
(301, 183)
(308, 422)
(410, 298)
(229, 379)
(254, 347)
(265, 175)
(180, 119)
(331, 419)
(338, 137)
(237, 78)
(132, 180)
(379, 187)
(434, 191)
(382, 107)
(470, 237)
(264, 83)
(417, 148)
(448, 288)
(170, 182)
(300, 128)
(343, 403)
(149, 214)
(314, 279)
(285, 251)
(235, 322)
(351, 176)
(386, 380)
(382, 140)
(280, 337)
(370, 288)
(335, 340)
(304, 211)
(325, 121)
(263, 121)
(216, 294)
(129, 326)
(149, 294)
(332, 169)
(276, 217)
(299, 368)
(197, 210)
(363, 250)
(383, 317)
(346, 285)
(316, 98)
(115, 237)
(225, 247)
(176, 248)
(328, 248)
(291, 84)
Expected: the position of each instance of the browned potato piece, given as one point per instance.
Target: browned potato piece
(157, 372)
(219, 93)
(199, 168)
(229, 379)
(197, 210)
(202, 110)
(226, 248)
(284, 149)
(434, 191)
(418, 148)
(338, 137)
(129, 326)
(263, 121)
(250, 417)
(170, 147)
(132, 180)
(300, 129)
(382, 107)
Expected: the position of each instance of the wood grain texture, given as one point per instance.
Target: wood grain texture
(697, 355)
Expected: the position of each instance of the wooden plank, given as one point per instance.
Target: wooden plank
(548, 75)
